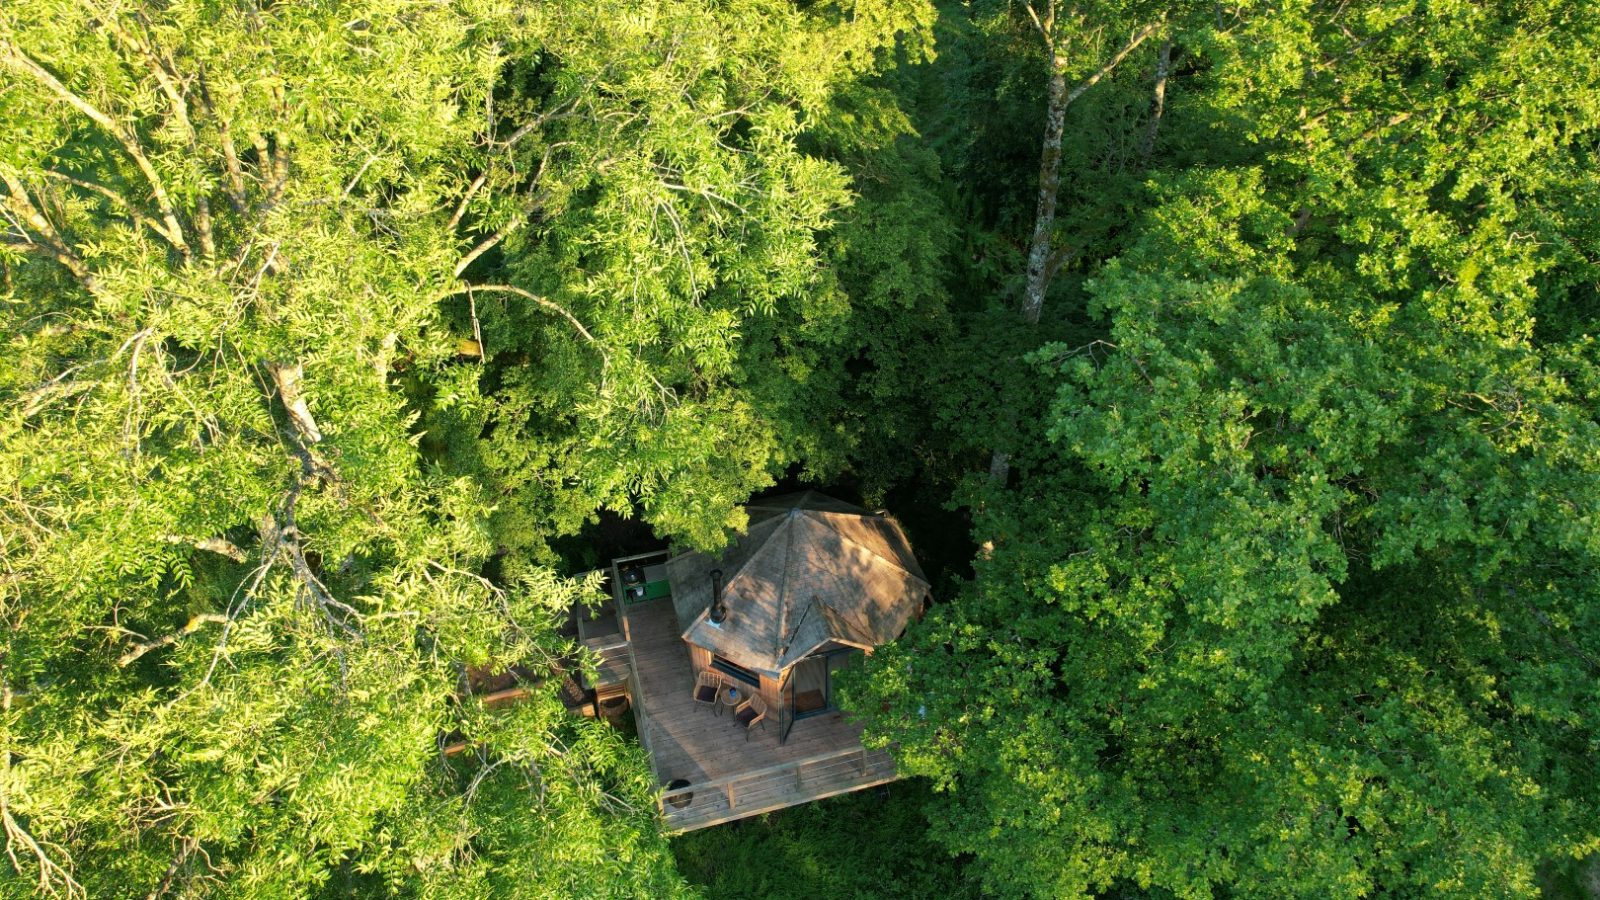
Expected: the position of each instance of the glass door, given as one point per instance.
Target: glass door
(838, 661)
(809, 686)
(785, 706)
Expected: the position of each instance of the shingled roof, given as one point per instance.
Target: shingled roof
(810, 569)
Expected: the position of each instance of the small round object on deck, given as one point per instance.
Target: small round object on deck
(679, 800)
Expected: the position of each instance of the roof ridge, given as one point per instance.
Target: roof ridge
(777, 521)
(848, 539)
(854, 620)
(783, 592)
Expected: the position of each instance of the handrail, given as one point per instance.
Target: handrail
(641, 720)
(778, 769)
(637, 556)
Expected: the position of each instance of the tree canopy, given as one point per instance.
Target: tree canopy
(244, 247)
(1248, 348)
(1294, 596)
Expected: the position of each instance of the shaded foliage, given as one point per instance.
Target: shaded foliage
(1297, 597)
(872, 844)
(333, 331)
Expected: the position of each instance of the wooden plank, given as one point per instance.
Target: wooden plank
(752, 802)
(821, 777)
(748, 811)
(641, 719)
(730, 776)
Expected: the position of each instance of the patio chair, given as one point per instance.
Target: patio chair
(751, 712)
(707, 687)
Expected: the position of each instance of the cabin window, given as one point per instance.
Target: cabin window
(735, 670)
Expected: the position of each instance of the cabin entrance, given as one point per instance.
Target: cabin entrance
(808, 687)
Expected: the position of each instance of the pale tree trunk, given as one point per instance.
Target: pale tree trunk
(1044, 221)
(1041, 264)
(1159, 102)
(1044, 217)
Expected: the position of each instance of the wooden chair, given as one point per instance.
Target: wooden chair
(751, 712)
(707, 688)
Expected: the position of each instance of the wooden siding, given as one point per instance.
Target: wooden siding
(699, 658)
(731, 777)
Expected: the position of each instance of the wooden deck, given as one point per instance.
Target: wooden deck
(729, 777)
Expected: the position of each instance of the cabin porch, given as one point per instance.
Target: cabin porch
(728, 777)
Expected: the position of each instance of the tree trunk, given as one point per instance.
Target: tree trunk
(1159, 104)
(1044, 218)
(1044, 221)
(1040, 268)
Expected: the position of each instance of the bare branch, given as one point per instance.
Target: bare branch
(217, 545)
(274, 170)
(54, 245)
(488, 243)
(560, 112)
(186, 848)
(128, 141)
(1132, 44)
(230, 152)
(287, 378)
(43, 395)
(477, 329)
(461, 208)
(1058, 259)
(116, 199)
(242, 595)
(1159, 100)
(516, 222)
(194, 624)
(703, 192)
(1044, 29)
(519, 292)
(288, 543)
(54, 879)
(356, 178)
(166, 78)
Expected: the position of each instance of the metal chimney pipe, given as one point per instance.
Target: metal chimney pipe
(719, 611)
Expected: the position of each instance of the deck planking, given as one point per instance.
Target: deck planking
(687, 740)
(778, 790)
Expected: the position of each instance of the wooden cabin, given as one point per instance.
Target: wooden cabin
(810, 587)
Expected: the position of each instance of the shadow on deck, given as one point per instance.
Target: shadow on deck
(728, 776)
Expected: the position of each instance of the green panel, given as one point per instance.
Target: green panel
(653, 590)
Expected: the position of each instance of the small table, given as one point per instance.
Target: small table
(730, 697)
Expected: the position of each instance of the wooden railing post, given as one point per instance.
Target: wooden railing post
(731, 786)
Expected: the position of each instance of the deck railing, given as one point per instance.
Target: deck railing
(641, 719)
(759, 786)
(734, 796)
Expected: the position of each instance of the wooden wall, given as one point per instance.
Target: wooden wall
(700, 660)
(769, 693)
